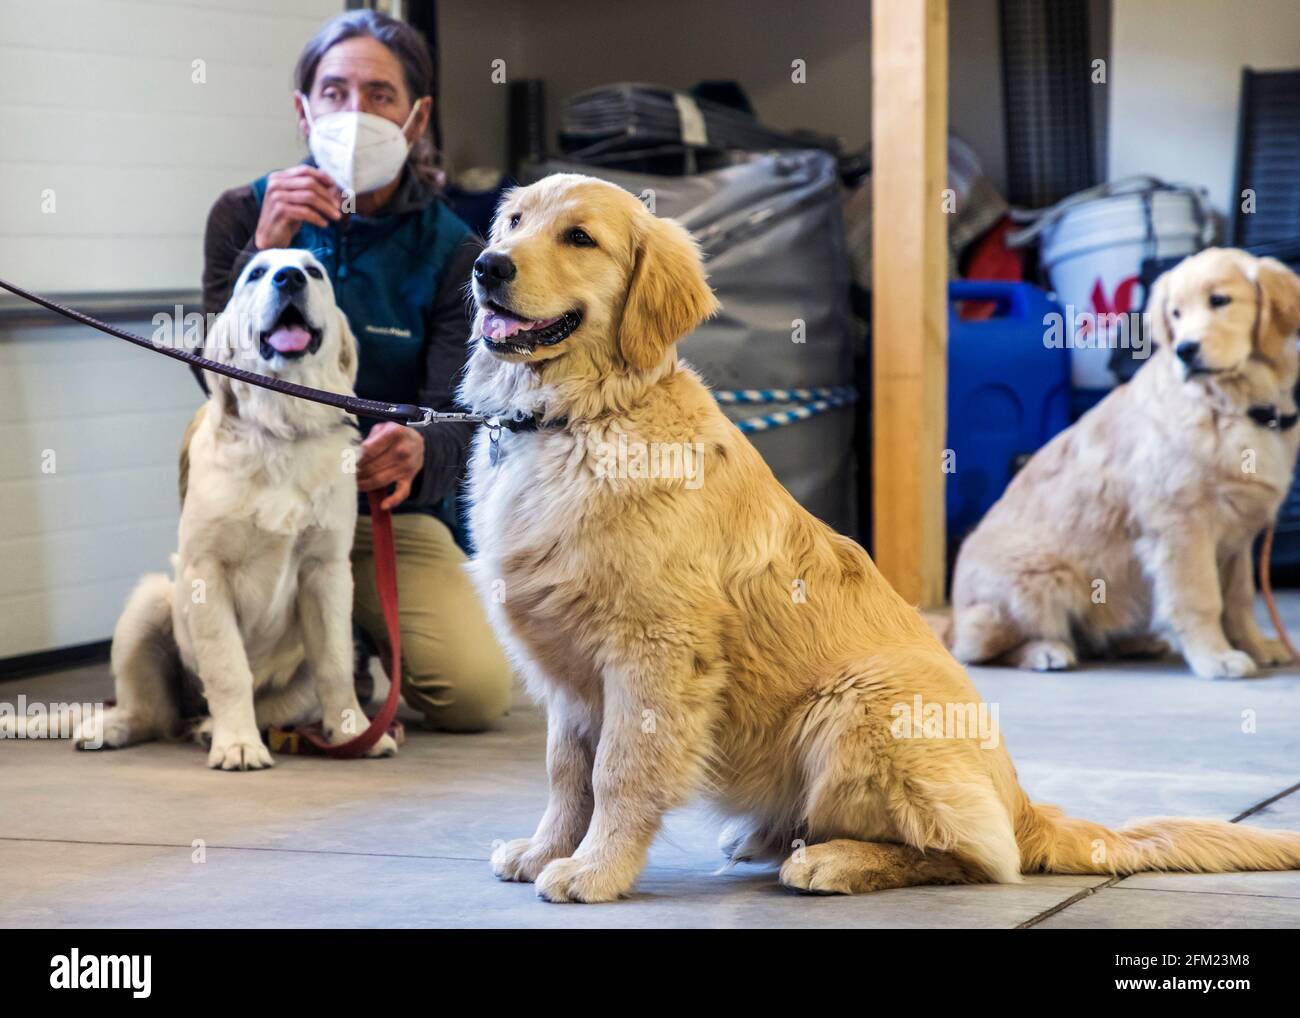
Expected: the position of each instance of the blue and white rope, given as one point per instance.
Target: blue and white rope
(782, 395)
(814, 402)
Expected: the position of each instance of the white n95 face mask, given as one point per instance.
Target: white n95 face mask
(361, 151)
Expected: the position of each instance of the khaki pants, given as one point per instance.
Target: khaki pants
(453, 669)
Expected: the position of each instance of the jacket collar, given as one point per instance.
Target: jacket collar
(412, 194)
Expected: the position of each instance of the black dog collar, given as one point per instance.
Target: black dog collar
(517, 426)
(531, 423)
(1266, 416)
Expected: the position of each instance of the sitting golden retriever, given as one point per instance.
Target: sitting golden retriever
(1135, 525)
(256, 627)
(690, 628)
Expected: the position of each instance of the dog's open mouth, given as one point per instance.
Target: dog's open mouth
(505, 331)
(290, 337)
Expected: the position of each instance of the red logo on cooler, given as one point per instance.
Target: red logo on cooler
(1121, 304)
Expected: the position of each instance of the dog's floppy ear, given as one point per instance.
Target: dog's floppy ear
(668, 295)
(1280, 288)
(348, 362)
(1156, 317)
(221, 343)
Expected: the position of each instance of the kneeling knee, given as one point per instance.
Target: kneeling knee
(468, 698)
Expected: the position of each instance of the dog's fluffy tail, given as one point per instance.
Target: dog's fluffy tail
(1051, 842)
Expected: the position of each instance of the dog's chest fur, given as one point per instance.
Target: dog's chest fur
(531, 515)
(265, 508)
(272, 491)
(1176, 454)
(1249, 472)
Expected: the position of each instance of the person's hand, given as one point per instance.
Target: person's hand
(391, 454)
(294, 196)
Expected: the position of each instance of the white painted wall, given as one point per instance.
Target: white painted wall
(1176, 83)
(89, 433)
(97, 104)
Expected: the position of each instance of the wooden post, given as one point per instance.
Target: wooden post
(909, 111)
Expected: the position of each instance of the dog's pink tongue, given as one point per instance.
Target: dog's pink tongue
(497, 326)
(290, 339)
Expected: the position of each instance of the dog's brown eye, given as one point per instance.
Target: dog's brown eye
(1176, 313)
(1218, 300)
(314, 272)
(257, 273)
(579, 237)
(514, 219)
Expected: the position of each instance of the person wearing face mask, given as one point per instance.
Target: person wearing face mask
(366, 203)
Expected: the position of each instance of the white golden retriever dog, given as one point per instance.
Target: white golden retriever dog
(1134, 527)
(257, 621)
(655, 618)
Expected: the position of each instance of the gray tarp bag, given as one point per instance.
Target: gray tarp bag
(772, 236)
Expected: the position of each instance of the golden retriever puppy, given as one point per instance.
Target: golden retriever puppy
(258, 619)
(690, 628)
(1134, 526)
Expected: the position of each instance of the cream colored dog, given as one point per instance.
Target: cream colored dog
(1135, 525)
(695, 630)
(258, 618)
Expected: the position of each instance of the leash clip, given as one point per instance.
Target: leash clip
(431, 416)
(495, 427)
(424, 421)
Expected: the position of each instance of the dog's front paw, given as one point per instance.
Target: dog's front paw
(1270, 654)
(521, 861)
(1045, 656)
(1225, 664)
(573, 879)
(386, 746)
(239, 752)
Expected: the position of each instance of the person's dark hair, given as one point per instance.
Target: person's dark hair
(411, 51)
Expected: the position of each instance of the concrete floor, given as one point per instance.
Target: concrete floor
(150, 837)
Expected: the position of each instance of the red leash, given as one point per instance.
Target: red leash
(284, 740)
(1266, 585)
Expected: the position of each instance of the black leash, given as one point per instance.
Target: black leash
(402, 413)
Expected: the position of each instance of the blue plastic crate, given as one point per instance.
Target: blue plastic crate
(1008, 392)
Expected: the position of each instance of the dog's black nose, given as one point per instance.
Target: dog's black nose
(1187, 350)
(289, 279)
(492, 267)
